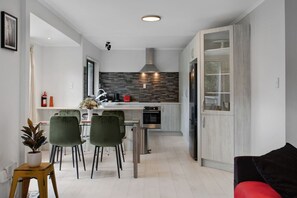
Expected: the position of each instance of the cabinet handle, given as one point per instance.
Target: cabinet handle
(203, 105)
(203, 122)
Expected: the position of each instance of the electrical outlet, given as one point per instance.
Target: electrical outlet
(277, 82)
(3, 176)
(144, 86)
(7, 172)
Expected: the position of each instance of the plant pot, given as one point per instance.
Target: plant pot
(34, 159)
(90, 114)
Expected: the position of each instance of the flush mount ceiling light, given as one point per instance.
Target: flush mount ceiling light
(151, 18)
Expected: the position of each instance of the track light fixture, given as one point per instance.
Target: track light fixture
(108, 45)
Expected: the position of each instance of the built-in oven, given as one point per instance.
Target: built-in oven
(152, 117)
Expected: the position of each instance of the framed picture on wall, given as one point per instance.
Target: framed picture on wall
(9, 31)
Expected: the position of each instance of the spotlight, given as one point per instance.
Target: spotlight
(108, 45)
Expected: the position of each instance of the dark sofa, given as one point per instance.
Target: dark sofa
(273, 175)
(252, 184)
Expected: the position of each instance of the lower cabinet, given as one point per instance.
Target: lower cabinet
(170, 117)
(218, 138)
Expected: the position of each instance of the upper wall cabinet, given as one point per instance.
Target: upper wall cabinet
(225, 95)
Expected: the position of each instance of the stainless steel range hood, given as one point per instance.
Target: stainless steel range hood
(149, 66)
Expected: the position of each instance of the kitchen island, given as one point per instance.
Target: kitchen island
(133, 119)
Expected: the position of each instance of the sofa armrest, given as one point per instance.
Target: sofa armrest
(245, 170)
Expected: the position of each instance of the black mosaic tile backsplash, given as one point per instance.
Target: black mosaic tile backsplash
(161, 87)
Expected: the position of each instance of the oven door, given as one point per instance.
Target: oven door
(152, 119)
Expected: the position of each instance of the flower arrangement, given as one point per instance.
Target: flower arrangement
(33, 137)
(88, 103)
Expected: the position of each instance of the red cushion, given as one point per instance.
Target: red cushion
(254, 189)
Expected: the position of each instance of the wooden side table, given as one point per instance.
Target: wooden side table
(40, 173)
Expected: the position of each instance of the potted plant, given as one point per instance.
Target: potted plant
(33, 138)
(89, 104)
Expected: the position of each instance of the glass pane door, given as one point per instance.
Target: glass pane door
(217, 71)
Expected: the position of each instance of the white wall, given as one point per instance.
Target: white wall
(134, 60)
(59, 72)
(267, 65)
(186, 57)
(291, 71)
(10, 101)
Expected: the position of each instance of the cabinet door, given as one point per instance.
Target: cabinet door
(218, 138)
(170, 117)
(217, 69)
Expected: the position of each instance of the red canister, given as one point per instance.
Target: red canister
(126, 98)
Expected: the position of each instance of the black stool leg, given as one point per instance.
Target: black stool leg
(117, 156)
(72, 150)
(79, 154)
(51, 155)
(97, 157)
(61, 153)
(122, 152)
(101, 154)
(93, 161)
(58, 150)
(83, 157)
(77, 175)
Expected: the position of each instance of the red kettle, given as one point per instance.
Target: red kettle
(127, 98)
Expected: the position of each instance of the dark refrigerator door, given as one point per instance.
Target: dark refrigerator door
(193, 111)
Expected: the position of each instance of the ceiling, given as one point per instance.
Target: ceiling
(120, 22)
(46, 35)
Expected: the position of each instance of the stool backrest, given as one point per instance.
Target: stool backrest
(71, 112)
(64, 131)
(105, 131)
(120, 115)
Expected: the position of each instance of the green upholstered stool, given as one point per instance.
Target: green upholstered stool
(121, 116)
(105, 132)
(64, 132)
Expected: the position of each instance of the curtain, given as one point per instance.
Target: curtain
(32, 103)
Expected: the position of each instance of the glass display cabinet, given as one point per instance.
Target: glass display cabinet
(217, 70)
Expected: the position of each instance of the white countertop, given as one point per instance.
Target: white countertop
(117, 106)
(111, 107)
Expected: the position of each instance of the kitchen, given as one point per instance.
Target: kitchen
(59, 71)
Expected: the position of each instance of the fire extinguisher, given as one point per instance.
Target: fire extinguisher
(44, 99)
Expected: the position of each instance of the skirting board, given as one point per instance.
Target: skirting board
(218, 165)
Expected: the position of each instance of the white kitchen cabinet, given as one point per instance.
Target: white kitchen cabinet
(170, 117)
(225, 95)
(218, 138)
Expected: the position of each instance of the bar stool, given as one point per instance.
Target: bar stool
(121, 115)
(105, 132)
(40, 173)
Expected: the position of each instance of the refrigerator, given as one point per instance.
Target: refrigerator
(193, 109)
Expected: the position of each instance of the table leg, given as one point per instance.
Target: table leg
(42, 185)
(138, 142)
(25, 187)
(135, 150)
(53, 178)
(13, 186)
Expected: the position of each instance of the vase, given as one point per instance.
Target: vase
(34, 159)
(90, 114)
